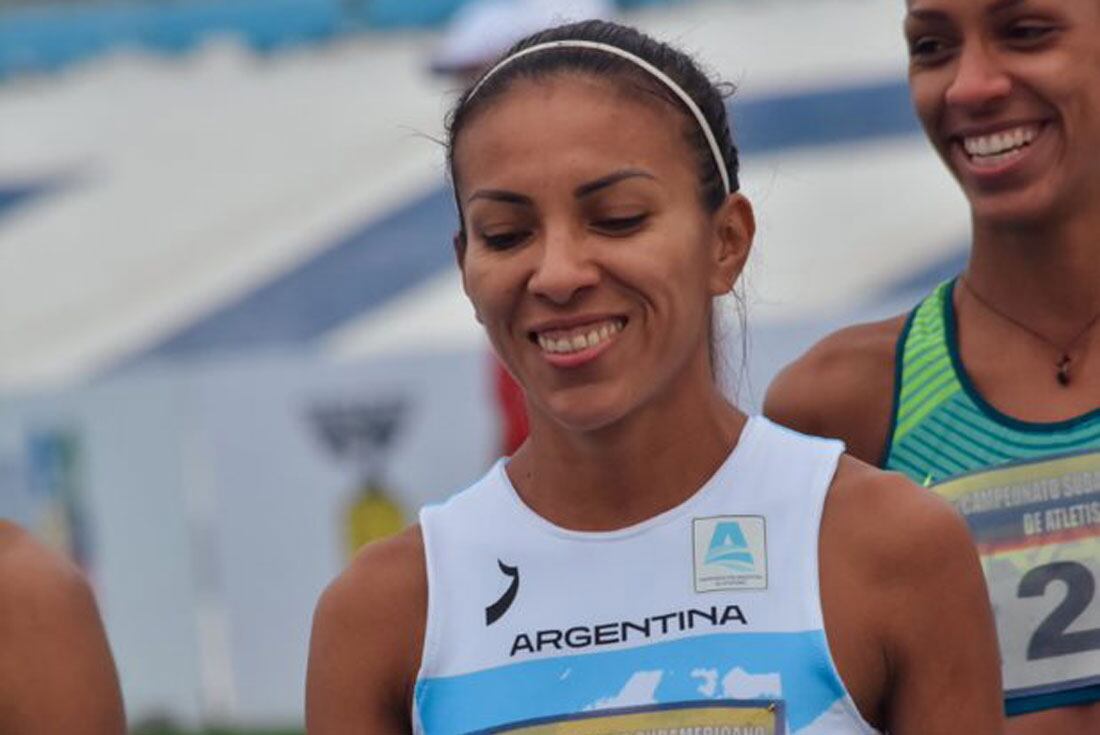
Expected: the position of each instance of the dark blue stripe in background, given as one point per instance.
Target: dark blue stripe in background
(358, 272)
(13, 195)
(381, 258)
(824, 117)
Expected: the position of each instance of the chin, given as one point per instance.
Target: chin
(585, 419)
(1018, 209)
(583, 411)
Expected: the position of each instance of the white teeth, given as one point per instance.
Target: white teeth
(1000, 143)
(580, 340)
(994, 160)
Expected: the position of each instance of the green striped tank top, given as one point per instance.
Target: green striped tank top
(1031, 495)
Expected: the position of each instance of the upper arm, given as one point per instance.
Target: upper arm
(792, 401)
(367, 636)
(944, 645)
(842, 388)
(926, 600)
(56, 671)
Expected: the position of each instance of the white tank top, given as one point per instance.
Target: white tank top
(703, 620)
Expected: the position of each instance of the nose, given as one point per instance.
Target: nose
(980, 79)
(565, 267)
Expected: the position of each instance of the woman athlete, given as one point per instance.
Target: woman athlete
(989, 391)
(56, 671)
(650, 559)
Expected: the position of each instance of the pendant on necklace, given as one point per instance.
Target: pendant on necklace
(1063, 370)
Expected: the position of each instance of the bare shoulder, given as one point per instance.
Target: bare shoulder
(384, 582)
(886, 541)
(368, 632)
(37, 583)
(842, 387)
(57, 673)
(907, 557)
(892, 525)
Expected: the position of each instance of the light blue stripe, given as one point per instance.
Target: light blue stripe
(576, 683)
(1020, 444)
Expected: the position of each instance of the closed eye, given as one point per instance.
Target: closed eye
(504, 240)
(1029, 33)
(620, 225)
(927, 49)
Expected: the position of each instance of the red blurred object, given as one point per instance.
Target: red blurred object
(513, 412)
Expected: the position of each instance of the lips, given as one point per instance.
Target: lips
(576, 339)
(992, 149)
(999, 143)
(995, 155)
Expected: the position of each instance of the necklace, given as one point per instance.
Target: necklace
(1065, 362)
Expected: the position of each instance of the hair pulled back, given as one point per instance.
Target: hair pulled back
(677, 65)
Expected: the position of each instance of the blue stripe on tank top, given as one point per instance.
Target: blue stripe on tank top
(973, 452)
(693, 669)
(1012, 442)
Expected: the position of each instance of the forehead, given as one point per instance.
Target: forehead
(567, 121)
(985, 7)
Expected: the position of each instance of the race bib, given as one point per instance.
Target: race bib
(726, 717)
(1037, 529)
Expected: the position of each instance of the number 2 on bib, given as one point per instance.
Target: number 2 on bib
(1037, 529)
(1053, 637)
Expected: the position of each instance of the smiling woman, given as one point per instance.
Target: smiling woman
(651, 559)
(987, 392)
(614, 225)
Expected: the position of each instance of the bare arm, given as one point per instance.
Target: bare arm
(56, 670)
(367, 637)
(843, 388)
(924, 602)
(947, 674)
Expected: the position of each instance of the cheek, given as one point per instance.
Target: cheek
(491, 285)
(1090, 105)
(925, 98)
(674, 276)
(476, 285)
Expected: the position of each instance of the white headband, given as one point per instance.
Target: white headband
(637, 61)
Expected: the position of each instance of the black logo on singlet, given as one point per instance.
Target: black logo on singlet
(495, 611)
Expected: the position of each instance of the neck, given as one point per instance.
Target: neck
(1043, 274)
(634, 469)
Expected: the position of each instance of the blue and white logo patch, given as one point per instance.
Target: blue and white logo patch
(730, 553)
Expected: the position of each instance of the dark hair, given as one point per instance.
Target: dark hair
(677, 65)
(680, 67)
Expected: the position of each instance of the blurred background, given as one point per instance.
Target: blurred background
(233, 344)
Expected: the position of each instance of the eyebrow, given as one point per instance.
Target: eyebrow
(501, 195)
(997, 7)
(610, 180)
(1003, 5)
(586, 189)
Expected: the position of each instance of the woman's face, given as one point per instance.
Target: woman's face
(589, 257)
(1008, 92)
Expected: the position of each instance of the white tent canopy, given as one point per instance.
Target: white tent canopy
(187, 184)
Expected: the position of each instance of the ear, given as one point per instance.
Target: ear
(734, 229)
